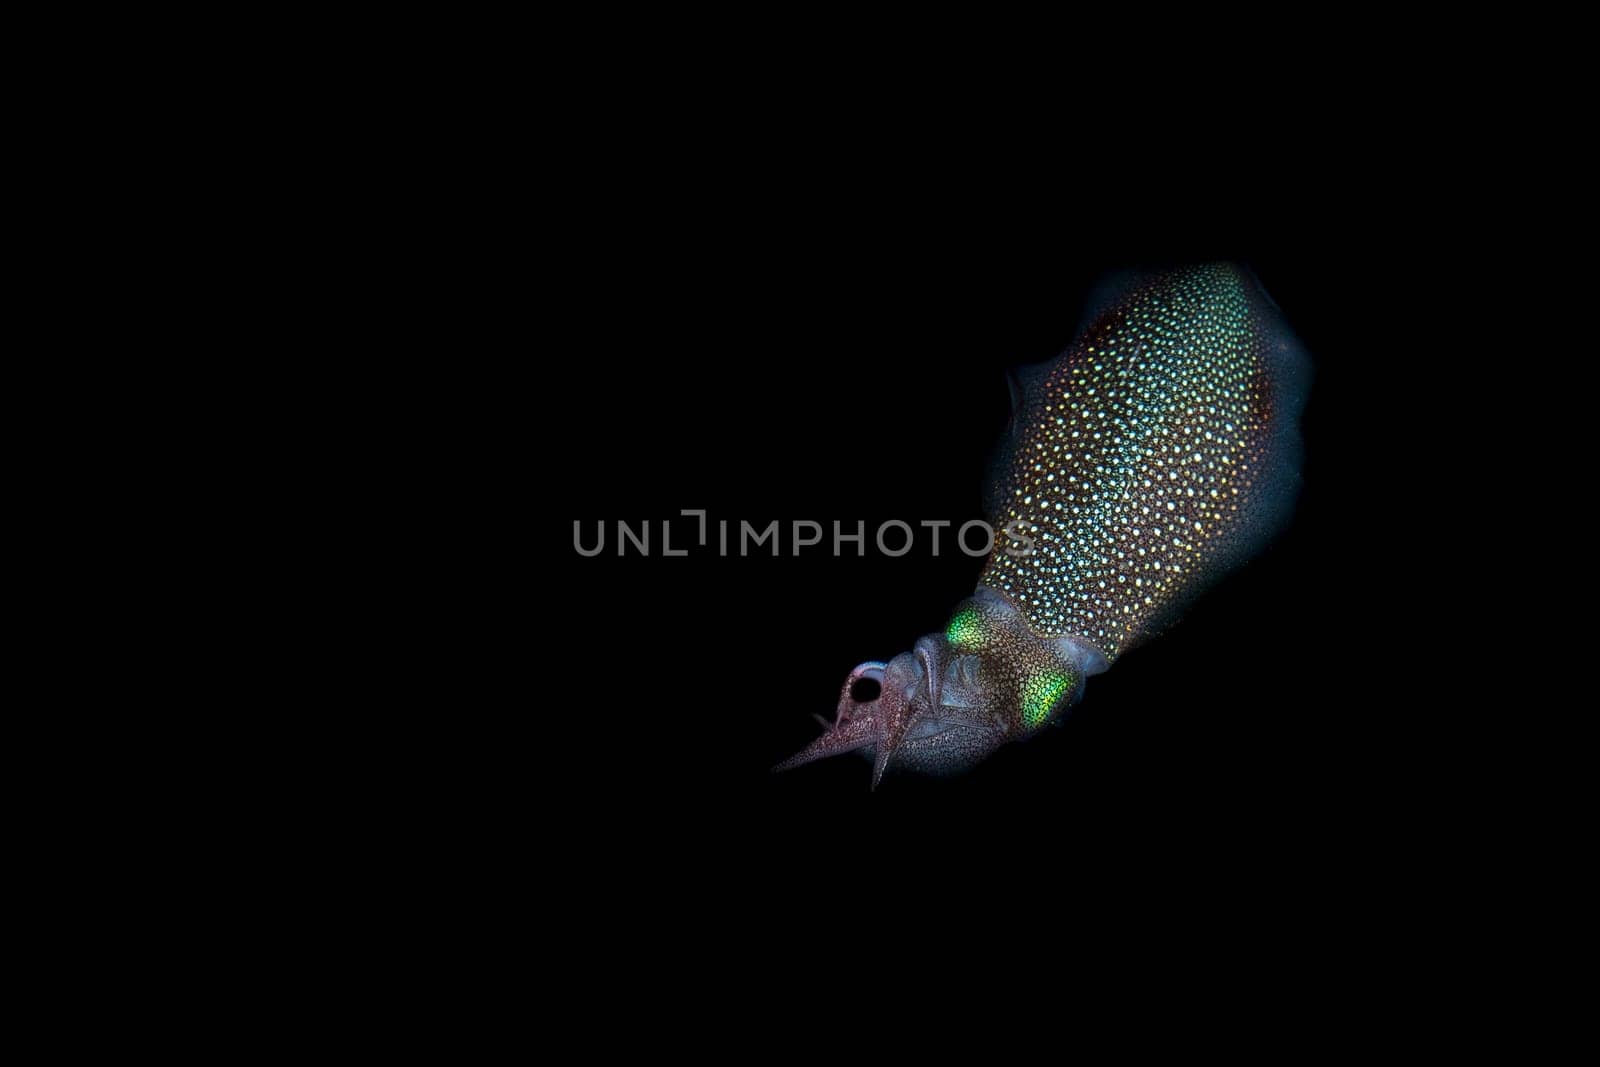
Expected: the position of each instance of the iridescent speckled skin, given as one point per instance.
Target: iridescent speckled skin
(1160, 450)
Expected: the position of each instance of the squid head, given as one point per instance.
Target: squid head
(957, 695)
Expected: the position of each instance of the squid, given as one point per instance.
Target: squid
(1160, 451)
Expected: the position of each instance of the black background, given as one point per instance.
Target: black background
(840, 354)
(691, 304)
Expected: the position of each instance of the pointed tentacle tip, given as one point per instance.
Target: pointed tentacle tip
(879, 765)
(838, 737)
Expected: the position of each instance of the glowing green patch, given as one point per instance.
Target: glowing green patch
(1040, 694)
(966, 628)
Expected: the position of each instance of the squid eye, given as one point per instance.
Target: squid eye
(864, 690)
(1040, 694)
(966, 629)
